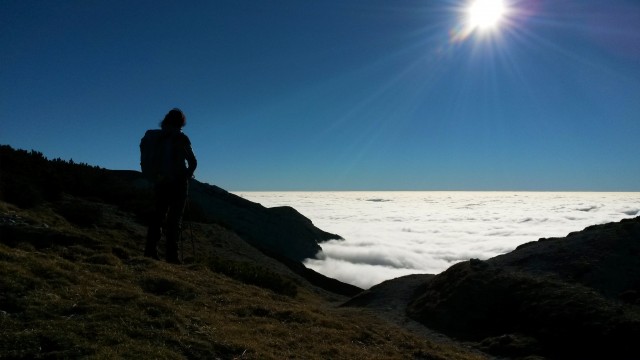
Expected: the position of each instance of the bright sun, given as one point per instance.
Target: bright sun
(485, 14)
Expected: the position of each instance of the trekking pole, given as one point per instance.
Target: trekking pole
(181, 237)
(180, 247)
(193, 242)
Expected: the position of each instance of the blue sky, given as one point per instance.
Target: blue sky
(334, 94)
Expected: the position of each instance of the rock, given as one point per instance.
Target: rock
(561, 296)
(281, 230)
(478, 264)
(512, 345)
(604, 257)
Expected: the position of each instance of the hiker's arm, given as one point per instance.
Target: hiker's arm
(192, 163)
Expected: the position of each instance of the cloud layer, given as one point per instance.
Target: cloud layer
(391, 234)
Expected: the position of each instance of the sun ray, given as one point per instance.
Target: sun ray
(485, 14)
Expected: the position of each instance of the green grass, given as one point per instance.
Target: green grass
(101, 300)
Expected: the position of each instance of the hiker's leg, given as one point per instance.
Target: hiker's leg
(174, 221)
(154, 232)
(151, 247)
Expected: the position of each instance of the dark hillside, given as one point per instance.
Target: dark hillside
(572, 297)
(605, 258)
(29, 178)
(83, 291)
(73, 283)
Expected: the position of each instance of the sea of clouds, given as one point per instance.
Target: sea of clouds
(391, 234)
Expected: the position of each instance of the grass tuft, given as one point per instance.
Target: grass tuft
(168, 287)
(253, 275)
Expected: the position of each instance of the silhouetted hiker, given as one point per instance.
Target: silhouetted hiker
(168, 161)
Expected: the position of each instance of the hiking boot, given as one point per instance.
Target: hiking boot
(151, 251)
(153, 256)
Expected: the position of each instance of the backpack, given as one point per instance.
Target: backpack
(153, 154)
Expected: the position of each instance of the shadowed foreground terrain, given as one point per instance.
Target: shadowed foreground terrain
(73, 283)
(69, 291)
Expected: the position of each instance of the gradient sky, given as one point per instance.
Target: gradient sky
(333, 94)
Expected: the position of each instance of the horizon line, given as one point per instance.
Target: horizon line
(458, 190)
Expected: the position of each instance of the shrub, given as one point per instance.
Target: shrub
(81, 213)
(21, 193)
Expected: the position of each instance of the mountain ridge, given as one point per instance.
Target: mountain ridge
(74, 284)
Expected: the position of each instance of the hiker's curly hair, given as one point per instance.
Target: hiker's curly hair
(174, 119)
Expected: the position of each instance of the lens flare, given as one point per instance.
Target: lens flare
(479, 16)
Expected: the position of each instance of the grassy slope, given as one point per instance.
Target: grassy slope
(74, 291)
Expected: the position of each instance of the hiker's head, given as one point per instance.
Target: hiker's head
(174, 119)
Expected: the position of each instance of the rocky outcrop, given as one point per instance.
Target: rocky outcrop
(279, 230)
(605, 258)
(572, 297)
(575, 297)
